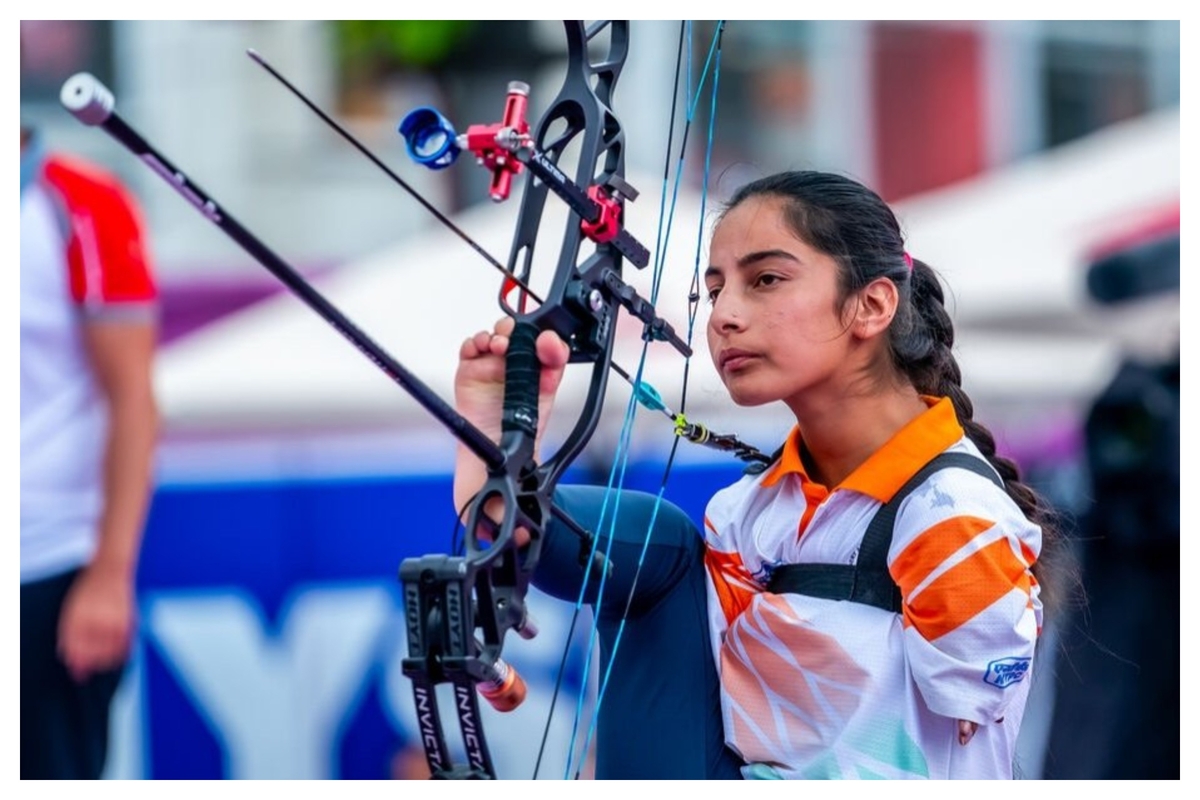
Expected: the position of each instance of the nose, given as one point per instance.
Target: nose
(726, 312)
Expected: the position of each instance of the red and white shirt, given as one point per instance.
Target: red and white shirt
(816, 688)
(83, 257)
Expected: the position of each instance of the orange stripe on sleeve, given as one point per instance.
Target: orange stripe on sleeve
(734, 586)
(932, 547)
(966, 589)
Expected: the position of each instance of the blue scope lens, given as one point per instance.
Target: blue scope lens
(430, 138)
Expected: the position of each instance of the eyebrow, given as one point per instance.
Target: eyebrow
(753, 258)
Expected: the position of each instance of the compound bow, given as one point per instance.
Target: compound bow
(459, 608)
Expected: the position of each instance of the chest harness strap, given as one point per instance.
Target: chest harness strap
(868, 580)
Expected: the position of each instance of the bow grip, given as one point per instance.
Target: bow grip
(522, 375)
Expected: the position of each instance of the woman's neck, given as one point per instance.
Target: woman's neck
(840, 435)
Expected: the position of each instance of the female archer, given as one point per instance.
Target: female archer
(869, 604)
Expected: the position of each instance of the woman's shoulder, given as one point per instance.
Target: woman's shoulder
(963, 488)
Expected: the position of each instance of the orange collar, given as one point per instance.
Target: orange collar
(882, 475)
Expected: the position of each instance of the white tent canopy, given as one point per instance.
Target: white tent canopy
(1012, 246)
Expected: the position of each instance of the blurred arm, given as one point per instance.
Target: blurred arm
(97, 624)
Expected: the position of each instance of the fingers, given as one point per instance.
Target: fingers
(966, 730)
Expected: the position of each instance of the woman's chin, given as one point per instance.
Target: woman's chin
(748, 398)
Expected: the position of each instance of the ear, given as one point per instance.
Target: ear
(877, 303)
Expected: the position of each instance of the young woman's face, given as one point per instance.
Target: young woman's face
(774, 332)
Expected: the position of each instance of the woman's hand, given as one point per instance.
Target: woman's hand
(479, 396)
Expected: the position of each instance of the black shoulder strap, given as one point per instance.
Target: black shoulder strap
(868, 581)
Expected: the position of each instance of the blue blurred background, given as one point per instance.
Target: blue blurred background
(294, 477)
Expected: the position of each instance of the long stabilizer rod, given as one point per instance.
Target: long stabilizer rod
(93, 104)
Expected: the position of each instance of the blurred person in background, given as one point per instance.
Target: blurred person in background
(89, 424)
(1117, 701)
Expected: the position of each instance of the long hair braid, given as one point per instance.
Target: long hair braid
(924, 353)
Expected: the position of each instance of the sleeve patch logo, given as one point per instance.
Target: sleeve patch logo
(1005, 672)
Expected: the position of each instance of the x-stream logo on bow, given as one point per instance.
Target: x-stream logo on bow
(1005, 672)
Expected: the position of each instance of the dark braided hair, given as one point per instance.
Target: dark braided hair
(847, 221)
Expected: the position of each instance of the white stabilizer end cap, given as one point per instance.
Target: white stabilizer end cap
(87, 98)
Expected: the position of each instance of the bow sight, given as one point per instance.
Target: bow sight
(504, 148)
(431, 140)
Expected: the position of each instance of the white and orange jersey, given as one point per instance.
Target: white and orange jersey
(817, 688)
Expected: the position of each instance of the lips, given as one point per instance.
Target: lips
(734, 359)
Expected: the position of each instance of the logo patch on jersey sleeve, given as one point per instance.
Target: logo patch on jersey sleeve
(1005, 672)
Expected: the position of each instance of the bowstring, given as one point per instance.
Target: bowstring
(712, 63)
(661, 238)
(625, 428)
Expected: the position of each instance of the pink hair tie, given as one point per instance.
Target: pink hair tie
(908, 260)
